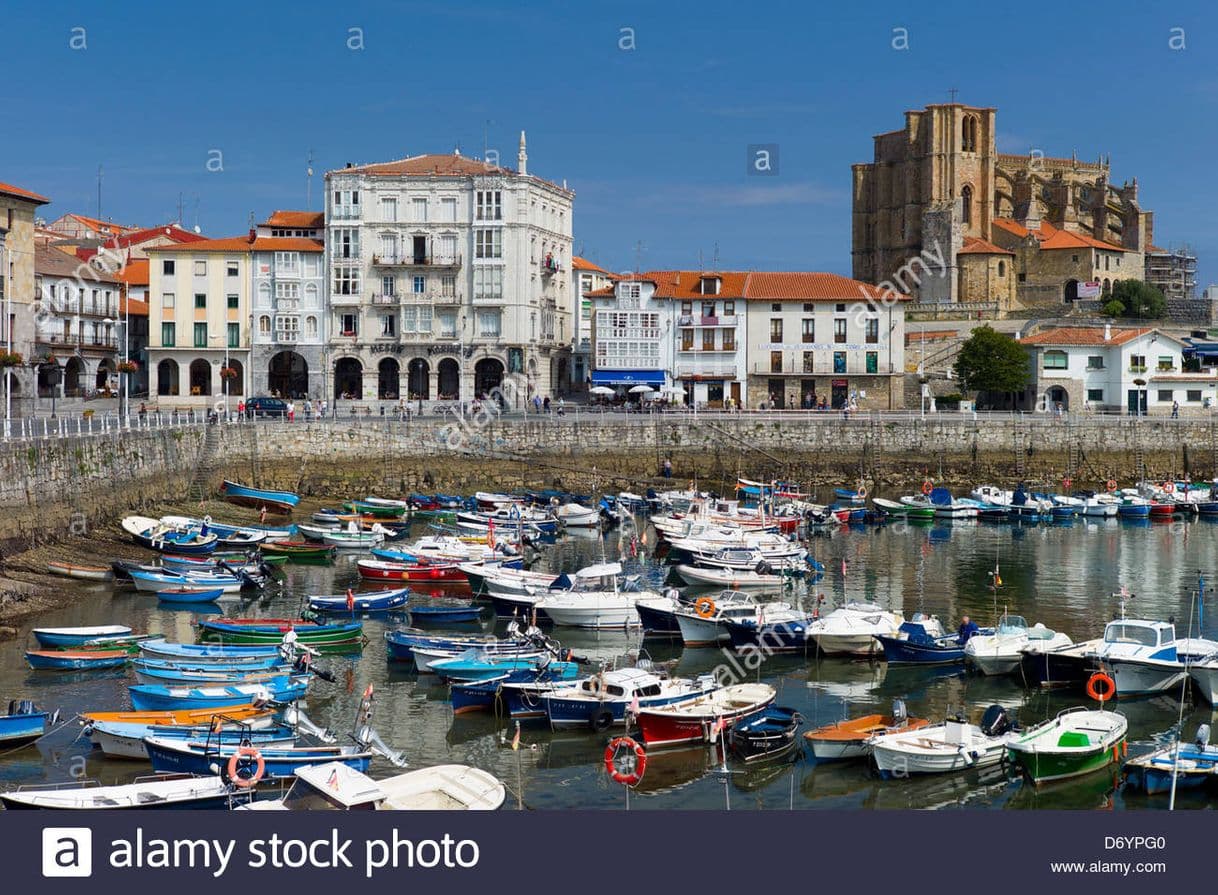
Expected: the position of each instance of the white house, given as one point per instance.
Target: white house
(586, 277)
(447, 274)
(632, 336)
(1131, 370)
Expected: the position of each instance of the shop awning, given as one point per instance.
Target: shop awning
(628, 377)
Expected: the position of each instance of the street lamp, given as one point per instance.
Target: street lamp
(223, 373)
(126, 372)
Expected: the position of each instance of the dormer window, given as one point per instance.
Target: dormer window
(710, 286)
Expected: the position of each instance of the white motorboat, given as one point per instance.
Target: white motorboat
(593, 609)
(1144, 656)
(354, 540)
(787, 557)
(336, 786)
(954, 745)
(510, 582)
(604, 699)
(573, 515)
(736, 579)
(701, 624)
(1096, 505)
(850, 629)
(1002, 651)
(1204, 672)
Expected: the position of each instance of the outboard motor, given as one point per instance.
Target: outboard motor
(763, 568)
(1203, 737)
(995, 722)
(899, 713)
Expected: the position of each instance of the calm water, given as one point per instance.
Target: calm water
(1062, 576)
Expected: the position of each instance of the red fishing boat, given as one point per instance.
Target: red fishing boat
(701, 720)
(377, 570)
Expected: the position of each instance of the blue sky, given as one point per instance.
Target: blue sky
(652, 139)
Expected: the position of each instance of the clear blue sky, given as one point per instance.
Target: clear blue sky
(653, 140)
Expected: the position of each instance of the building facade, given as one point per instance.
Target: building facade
(18, 208)
(820, 338)
(288, 336)
(586, 277)
(76, 325)
(939, 181)
(447, 274)
(199, 311)
(632, 336)
(1172, 272)
(133, 308)
(1133, 371)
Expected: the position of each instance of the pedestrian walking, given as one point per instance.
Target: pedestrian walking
(291, 412)
(667, 468)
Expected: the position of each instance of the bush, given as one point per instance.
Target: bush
(1114, 308)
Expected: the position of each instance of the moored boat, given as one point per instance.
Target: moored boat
(157, 697)
(24, 723)
(697, 720)
(849, 738)
(764, 734)
(1078, 741)
(272, 631)
(76, 660)
(376, 601)
(954, 745)
(245, 495)
(76, 570)
(159, 791)
(69, 637)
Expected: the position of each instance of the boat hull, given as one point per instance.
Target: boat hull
(167, 756)
(17, 730)
(282, 502)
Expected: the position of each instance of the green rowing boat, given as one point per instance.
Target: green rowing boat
(1078, 741)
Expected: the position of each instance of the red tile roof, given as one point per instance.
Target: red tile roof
(8, 189)
(810, 286)
(1050, 237)
(297, 220)
(99, 225)
(1087, 335)
(435, 165)
(135, 273)
(974, 246)
(136, 237)
(132, 306)
(243, 244)
(579, 263)
(52, 262)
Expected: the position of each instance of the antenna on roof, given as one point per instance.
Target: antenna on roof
(638, 256)
(309, 183)
(715, 258)
(179, 209)
(99, 184)
(951, 92)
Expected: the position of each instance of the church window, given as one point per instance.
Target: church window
(966, 200)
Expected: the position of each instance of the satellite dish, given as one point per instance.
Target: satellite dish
(197, 229)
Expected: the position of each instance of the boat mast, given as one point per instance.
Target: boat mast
(1175, 762)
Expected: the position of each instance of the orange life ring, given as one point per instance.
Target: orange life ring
(928, 486)
(1111, 483)
(705, 607)
(635, 769)
(861, 491)
(1169, 487)
(235, 761)
(1093, 689)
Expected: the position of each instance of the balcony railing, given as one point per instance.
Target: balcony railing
(432, 296)
(75, 341)
(1137, 368)
(705, 371)
(338, 299)
(385, 298)
(287, 335)
(345, 212)
(817, 369)
(413, 260)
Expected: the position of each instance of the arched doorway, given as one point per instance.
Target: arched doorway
(288, 375)
(48, 379)
(387, 373)
(448, 385)
(418, 384)
(105, 370)
(200, 376)
(71, 377)
(488, 376)
(348, 378)
(235, 385)
(1070, 291)
(1055, 396)
(562, 381)
(167, 377)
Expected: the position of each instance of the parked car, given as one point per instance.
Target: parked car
(263, 407)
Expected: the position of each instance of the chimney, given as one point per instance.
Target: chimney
(1107, 332)
(522, 157)
(253, 235)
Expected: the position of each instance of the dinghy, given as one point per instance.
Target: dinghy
(274, 501)
(850, 738)
(126, 741)
(158, 791)
(73, 570)
(76, 660)
(194, 595)
(156, 697)
(1078, 741)
(764, 734)
(24, 723)
(69, 637)
(954, 745)
(272, 631)
(336, 786)
(376, 601)
(699, 720)
(1191, 765)
(441, 614)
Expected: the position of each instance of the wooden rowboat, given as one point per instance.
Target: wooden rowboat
(393, 571)
(273, 501)
(72, 570)
(76, 660)
(184, 717)
(298, 550)
(848, 739)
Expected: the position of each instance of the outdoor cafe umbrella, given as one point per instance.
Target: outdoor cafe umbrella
(602, 390)
(641, 389)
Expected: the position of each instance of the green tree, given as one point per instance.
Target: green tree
(1141, 300)
(990, 361)
(1114, 308)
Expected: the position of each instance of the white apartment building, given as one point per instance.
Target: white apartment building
(288, 330)
(632, 336)
(447, 274)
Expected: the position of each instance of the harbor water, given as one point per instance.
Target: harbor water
(1063, 576)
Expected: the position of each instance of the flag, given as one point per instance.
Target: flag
(333, 781)
(718, 727)
(490, 533)
(634, 705)
(350, 601)
(262, 515)
(843, 567)
(516, 737)
(997, 580)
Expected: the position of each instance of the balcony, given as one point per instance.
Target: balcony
(287, 336)
(354, 299)
(1137, 368)
(706, 371)
(488, 299)
(345, 212)
(385, 298)
(818, 369)
(549, 267)
(434, 297)
(412, 260)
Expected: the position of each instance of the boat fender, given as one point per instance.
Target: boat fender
(1101, 687)
(235, 762)
(625, 761)
(602, 720)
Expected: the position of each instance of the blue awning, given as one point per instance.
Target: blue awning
(627, 377)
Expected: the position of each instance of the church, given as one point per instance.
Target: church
(942, 215)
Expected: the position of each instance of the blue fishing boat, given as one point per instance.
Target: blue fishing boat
(125, 739)
(764, 734)
(517, 692)
(1192, 764)
(207, 652)
(173, 755)
(203, 677)
(68, 637)
(400, 645)
(272, 630)
(442, 614)
(76, 660)
(155, 582)
(377, 601)
(849, 495)
(274, 501)
(245, 664)
(478, 666)
(156, 535)
(157, 697)
(921, 642)
(778, 637)
(602, 700)
(24, 723)
(189, 595)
